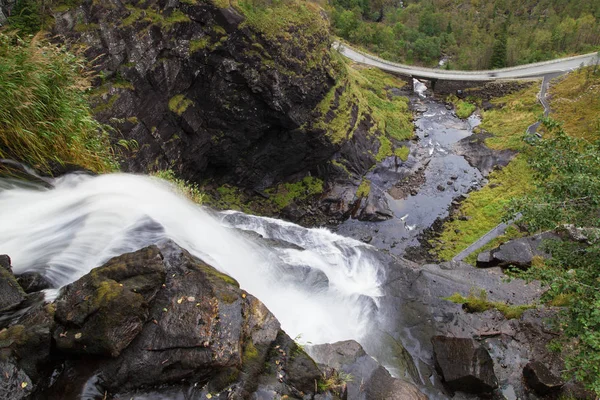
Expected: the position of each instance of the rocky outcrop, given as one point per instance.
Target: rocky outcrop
(363, 376)
(480, 156)
(206, 91)
(518, 252)
(157, 322)
(464, 365)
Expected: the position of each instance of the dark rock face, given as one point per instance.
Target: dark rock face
(539, 378)
(207, 94)
(15, 384)
(105, 310)
(11, 293)
(366, 378)
(464, 365)
(517, 252)
(160, 316)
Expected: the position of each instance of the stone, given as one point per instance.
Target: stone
(464, 365)
(484, 259)
(519, 252)
(33, 282)
(539, 378)
(369, 380)
(15, 384)
(441, 188)
(105, 310)
(11, 293)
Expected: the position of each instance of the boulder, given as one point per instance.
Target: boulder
(105, 310)
(539, 378)
(196, 333)
(365, 378)
(33, 282)
(11, 293)
(15, 384)
(464, 365)
(518, 252)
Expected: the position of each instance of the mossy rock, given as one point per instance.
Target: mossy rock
(105, 310)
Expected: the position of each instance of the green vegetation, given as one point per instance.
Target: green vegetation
(44, 114)
(334, 381)
(484, 209)
(150, 15)
(188, 189)
(284, 194)
(360, 92)
(473, 34)
(364, 188)
(179, 104)
(402, 152)
(478, 302)
(567, 171)
(464, 108)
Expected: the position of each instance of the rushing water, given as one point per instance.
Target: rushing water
(321, 286)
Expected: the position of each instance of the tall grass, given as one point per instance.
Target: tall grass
(44, 115)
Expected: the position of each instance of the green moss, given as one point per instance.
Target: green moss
(176, 17)
(364, 188)
(385, 149)
(478, 302)
(212, 273)
(107, 105)
(464, 109)
(179, 104)
(287, 193)
(402, 153)
(199, 44)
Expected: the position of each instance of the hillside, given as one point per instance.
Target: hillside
(469, 35)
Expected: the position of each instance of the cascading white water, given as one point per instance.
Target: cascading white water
(323, 287)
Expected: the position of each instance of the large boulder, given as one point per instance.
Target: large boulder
(518, 252)
(464, 365)
(105, 310)
(160, 316)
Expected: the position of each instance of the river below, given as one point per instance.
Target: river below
(421, 189)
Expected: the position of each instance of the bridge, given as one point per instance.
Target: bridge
(439, 77)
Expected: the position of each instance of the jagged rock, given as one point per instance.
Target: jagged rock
(582, 235)
(464, 365)
(539, 378)
(33, 282)
(11, 293)
(366, 378)
(105, 310)
(517, 252)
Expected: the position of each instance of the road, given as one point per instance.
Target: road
(536, 70)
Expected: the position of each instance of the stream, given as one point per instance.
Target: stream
(440, 175)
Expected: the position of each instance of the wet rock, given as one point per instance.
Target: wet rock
(478, 155)
(11, 293)
(441, 188)
(539, 378)
(105, 310)
(366, 378)
(33, 282)
(464, 365)
(367, 239)
(518, 252)
(376, 208)
(15, 384)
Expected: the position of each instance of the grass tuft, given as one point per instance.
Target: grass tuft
(44, 114)
(478, 302)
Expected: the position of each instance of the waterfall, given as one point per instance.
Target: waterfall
(321, 286)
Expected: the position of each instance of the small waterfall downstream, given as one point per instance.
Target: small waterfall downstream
(321, 286)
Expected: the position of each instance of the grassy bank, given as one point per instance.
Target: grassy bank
(44, 115)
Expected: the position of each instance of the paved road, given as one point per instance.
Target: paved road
(522, 71)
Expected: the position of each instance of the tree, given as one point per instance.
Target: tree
(567, 172)
(499, 50)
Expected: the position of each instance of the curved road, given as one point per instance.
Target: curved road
(536, 70)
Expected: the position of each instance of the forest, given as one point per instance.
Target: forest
(471, 34)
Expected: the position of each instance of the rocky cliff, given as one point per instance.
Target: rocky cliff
(209, 89)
